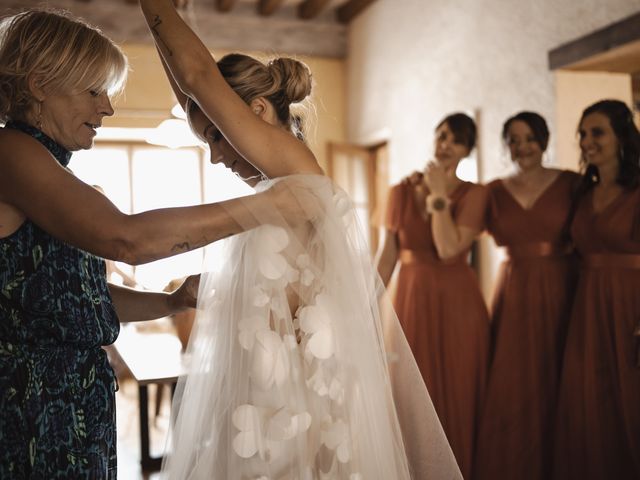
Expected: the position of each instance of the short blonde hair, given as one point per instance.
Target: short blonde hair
(67, 53)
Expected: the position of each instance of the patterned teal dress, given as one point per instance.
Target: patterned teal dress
(57, 403)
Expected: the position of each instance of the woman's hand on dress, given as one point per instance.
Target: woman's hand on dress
(435, 178)
(186, 295)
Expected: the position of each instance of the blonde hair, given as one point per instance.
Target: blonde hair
(67, 54)
(283, 81)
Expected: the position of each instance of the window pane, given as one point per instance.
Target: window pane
(359, 179)
(166, 178)
(468, 169)
(107, 167)
(221, 183)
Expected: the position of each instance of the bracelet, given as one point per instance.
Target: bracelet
(436, 203)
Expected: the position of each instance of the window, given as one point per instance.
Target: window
(138, 177)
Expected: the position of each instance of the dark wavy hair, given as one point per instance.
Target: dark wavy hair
(463, 128)
(535, 122)
(621, 118)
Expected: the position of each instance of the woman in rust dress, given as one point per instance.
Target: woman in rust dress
(598, 423)
(528, 214)
(431, 224)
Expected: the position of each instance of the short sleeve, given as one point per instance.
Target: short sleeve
(471, 210)
(395, 207)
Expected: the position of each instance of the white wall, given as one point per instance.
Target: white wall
(413, 61)
(574, 91)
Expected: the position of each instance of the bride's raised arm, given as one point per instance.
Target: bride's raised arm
(268, 146)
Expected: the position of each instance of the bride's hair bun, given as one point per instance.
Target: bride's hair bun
(292, 78)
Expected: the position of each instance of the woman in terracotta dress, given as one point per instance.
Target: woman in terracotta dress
(528, 214)
(431, 223)
(598, 423)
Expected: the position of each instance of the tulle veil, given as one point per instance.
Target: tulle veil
(298, 368)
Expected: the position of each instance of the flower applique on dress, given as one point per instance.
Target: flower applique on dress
(262, 431)
(269, 241)
(276, 356)
(316, 323)
(289, 379)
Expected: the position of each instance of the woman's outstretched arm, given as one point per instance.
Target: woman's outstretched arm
(33, 185)
(271, 149)
(136, 305)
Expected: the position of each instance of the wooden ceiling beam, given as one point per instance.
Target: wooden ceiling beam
(601, 41)
(309, 9)
(225, 5)
(351, 10)
(180, 4)
(267, 7)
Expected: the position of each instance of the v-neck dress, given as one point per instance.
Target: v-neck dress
(57, 404)
(598, 424)
(443, 313)
(530, 313)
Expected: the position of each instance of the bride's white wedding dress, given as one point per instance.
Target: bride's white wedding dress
(329, 391)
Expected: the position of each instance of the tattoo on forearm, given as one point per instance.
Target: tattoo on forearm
(181, 247)
(156, 23)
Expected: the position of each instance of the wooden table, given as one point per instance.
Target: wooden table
(151, 358)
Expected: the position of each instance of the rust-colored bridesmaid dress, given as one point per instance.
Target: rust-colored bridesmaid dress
(443, 313)
(598, 423)
(530, 314)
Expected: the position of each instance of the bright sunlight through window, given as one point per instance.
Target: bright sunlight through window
(138, 177)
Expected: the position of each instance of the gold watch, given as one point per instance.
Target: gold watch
(436, 203)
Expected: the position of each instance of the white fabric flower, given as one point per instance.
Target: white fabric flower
(270, 360)
(303, 260)
(285, 425)
(318, 382)
(249, 327)
(248, 442)
(306, 276)
(335, 436)
(315, 321)
(280, 308)
(292, 275)
(290, 342)
(268, 242)
(336, 391)
(264, 432)
(260, 297)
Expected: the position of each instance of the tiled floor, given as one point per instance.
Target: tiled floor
(129, 430)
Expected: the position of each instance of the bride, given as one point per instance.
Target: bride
(296, 373)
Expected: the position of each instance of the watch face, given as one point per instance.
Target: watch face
(439, 203)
